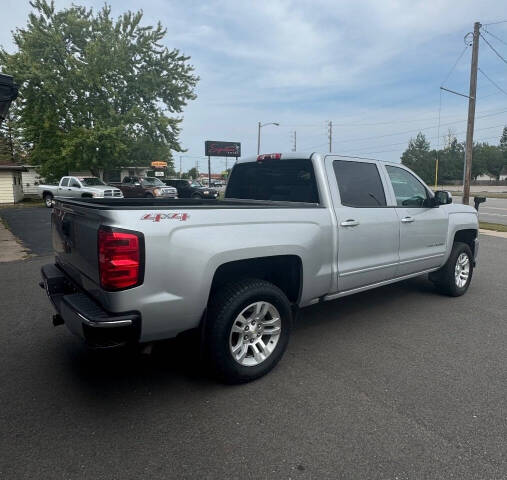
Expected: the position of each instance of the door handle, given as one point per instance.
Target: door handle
(349, 223)
(407, 219)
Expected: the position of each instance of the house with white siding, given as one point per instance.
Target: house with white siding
(11, 188)
(30, 179)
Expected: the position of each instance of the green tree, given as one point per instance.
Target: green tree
(97, 92)
(503, 141)
(490, 157)
(11, 148)
(193, 173)
(419, 158)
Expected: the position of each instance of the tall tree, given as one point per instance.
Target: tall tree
(419, 158)
(503, 140)
(97, 92)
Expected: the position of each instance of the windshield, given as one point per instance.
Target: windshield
(275, 180)
(91, 181)
(196, 184)
(152, 181)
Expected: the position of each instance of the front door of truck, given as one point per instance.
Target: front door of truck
(368, 227)
(423, 229)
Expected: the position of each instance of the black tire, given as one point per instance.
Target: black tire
(198, 196)
(223, 309)
(444, 279)
(149, 195)
(48, 200)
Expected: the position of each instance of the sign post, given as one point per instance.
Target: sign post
(220, 149)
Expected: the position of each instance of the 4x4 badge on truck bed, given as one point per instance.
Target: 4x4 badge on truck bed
(165, 216)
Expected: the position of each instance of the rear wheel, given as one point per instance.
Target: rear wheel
(148, 195)
(48, 200)
(247, 330)
(197, 195)
(455, 276)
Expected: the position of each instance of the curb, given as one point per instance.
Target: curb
(493, 233)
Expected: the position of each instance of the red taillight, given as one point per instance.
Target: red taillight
(269, 156)
(119, 259)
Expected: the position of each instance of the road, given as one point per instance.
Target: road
(398, 382)
(494, 210)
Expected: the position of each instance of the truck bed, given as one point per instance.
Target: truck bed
(189, 203)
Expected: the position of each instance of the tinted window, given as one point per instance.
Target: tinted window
(91, 181)
(151, 181)
(276, 180)
(359, 184)
(74, 183)
(409, 191)
(65, 182)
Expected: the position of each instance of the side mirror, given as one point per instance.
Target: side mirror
(442, 197)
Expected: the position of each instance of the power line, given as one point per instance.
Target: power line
(494, 83)
(493, 48)
(428, 138)
(495, 23)
(455, 63)
(416, 129)
(494, 36)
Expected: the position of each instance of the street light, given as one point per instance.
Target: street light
(260, 125)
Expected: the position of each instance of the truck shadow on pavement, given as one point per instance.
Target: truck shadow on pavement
(178, 361)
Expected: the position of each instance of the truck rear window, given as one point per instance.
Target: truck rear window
(275, 180)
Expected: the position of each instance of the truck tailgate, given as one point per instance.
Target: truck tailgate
(74, 232)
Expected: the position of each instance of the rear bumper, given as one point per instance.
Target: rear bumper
(84, 317)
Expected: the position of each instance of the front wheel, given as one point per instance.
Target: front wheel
(247, 330)
(48, 200)
(454, 277)
(197, 196)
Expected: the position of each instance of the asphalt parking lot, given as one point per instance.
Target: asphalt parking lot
(398, 382)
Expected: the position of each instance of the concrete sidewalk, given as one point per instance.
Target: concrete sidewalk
(493, 233)
(10, 248)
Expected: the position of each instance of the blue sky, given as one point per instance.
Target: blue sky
(372, 67)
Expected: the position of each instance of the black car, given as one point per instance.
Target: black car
(191, 189)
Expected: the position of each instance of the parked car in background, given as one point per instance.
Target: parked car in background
(293, 230)
(91, 187)
(188, 189)
(145, 187)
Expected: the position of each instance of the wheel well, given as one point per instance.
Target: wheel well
(466, 236)
(87, 195)
(284, 271)
(45, 193)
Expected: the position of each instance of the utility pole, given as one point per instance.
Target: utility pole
(471, 114)
(294, 145)
(330, 135)
(258, 138)
(180, 167)
(209, 171)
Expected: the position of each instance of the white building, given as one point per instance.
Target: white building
(30, 179)
(116, 175)
(11, 190)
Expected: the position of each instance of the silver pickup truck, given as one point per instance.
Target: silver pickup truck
(293, 230)
(81, 187)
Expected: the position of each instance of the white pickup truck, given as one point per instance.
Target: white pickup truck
(81, 187)
(293, 230)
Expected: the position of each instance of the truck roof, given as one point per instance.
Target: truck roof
(300, 155)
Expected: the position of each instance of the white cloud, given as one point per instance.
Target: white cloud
(305, 62)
